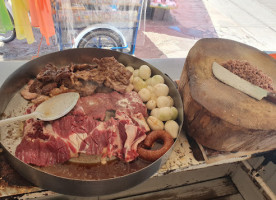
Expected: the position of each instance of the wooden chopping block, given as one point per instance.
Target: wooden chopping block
(218, 116)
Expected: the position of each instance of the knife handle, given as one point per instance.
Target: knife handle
(271, 96)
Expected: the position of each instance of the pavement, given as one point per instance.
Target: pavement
(252, 22)
(175, 35)
(172, 33)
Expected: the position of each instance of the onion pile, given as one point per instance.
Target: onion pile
(155, 94)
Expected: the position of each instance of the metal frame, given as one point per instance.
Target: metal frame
(96, 27)
(108, 27)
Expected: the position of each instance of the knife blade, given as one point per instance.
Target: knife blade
(231, 79)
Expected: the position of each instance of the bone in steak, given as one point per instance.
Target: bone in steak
(84, 131)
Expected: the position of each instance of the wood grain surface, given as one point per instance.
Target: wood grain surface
(217, 115)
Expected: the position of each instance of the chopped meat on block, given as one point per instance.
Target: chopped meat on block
(251, 73)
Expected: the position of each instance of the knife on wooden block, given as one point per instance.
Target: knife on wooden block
(231, 79)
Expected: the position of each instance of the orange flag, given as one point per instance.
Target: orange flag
(41, 15)
(33, 13)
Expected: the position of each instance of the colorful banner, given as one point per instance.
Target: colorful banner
(26, 15)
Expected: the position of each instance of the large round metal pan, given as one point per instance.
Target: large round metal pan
(74, 186)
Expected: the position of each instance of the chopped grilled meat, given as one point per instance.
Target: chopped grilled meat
(48, 73)
(60, 90)
(36, 86)
(26, 92)
(39, 99)
(77, 67)
(86, 88)
(116, 76)
(63, 77)
(46, 89)
(91, 75)
(82, 78)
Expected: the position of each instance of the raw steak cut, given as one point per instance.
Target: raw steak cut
(84, 130)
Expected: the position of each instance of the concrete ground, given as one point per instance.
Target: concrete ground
(252, 22)
(175, 35)
(171, 33)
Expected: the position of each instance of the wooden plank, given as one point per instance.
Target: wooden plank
(55, 196)
(230, 197)
(212, 156)
(268, 171)
(272, 182)
(266, 189)
(204, 190)
(176, 179)
(245, 185)
(256, 162)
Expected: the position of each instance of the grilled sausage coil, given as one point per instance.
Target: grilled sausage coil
(152, 155)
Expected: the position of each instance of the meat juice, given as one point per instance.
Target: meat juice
(112, 169)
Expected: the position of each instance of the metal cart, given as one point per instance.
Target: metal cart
(110, 24)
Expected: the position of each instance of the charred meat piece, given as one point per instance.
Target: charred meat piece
(45, 81)
(63, 77)
(80, 67)
(46, 89)
(116, 76)
(36, 86)
(90, 75)
(48, 73)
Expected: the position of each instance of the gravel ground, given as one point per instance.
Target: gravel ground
(21, 50)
